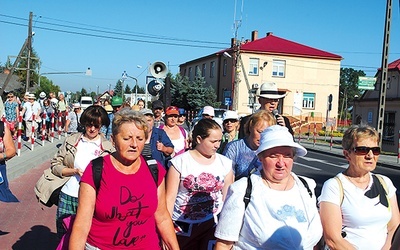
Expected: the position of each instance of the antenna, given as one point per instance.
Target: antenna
(237, 23)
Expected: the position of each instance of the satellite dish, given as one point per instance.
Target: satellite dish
(155, 86)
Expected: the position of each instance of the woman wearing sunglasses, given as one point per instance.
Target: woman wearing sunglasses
(359, 208)
(74, 155)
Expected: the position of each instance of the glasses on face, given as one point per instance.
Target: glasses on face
(230, 121)
(10, 96)
(96, 126)
(365, 150)
(181, 115)
(208, 116)
(158, 108)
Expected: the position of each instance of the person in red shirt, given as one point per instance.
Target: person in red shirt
(128, 211)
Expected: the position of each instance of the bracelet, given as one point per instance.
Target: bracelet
(4, 156)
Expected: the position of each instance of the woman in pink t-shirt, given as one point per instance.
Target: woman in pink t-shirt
(129, 209)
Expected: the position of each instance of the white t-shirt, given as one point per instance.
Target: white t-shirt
(199, 195)
(85, 152)
(365, 219)
(30, 109)
(273, 219)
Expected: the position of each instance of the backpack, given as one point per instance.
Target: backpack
(249, 188)
(97, 168)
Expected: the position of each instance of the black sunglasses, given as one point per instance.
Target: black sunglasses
(365, 150)
(230, 120)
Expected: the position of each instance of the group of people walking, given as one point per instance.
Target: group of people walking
(155, 185)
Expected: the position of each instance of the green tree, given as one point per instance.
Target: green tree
(348, 88)
(47, 86)
(127, 89)
(192, 95)
(34, 65)
(84, 92)
(118, 88)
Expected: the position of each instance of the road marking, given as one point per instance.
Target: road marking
(307, 166)
(322, 161)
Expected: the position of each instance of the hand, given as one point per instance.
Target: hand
(160, 146)
(280, 120)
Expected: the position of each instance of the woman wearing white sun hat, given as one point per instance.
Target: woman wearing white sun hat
(230, 123)
(282, 212)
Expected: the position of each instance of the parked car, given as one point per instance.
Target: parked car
(86, 101)
(218, 116)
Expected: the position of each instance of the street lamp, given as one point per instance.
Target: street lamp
(125, 75)
(88, 72)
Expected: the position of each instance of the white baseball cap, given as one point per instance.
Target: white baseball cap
(208, 110)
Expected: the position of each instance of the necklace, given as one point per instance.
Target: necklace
(266, 180)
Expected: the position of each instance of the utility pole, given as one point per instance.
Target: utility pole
(29, 45)
(384, 71)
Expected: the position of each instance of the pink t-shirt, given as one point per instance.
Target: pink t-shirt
(125, 207)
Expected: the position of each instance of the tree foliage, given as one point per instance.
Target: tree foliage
(127, 89)
(348, 88)
(118, 88)
(192, 95)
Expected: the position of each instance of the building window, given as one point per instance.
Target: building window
(190, 73)
(308, 100)
(203, 70)
(212, 68)
(253, 66)
(225, 67)
(278, 68)
(184, 72)
(389, 126)
(196, 72)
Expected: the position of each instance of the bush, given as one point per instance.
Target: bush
(328, 133)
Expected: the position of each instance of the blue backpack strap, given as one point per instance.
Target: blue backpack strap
(97, 169)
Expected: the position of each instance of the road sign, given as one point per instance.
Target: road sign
(228, 101)
(365, 82)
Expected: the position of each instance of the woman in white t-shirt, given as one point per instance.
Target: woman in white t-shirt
(282, 211)
(196, 185)
(359, 209)
(73, 157)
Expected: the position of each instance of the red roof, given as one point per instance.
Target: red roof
(394, 65)
(275, 45)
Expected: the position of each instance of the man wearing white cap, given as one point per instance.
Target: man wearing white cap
(289, 218)
(31, 108)
(269, 100)
(72, 122)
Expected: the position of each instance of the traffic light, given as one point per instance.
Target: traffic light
(330, 97)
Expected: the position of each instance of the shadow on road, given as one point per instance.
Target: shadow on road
(39, 237)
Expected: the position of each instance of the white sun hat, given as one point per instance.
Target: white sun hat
(270, 90)
(279, 136)
(230, 114)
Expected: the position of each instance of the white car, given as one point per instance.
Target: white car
(86, 101)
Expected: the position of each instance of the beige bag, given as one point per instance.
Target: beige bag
(48, 187)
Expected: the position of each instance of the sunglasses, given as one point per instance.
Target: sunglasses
(97, 126)
(230, 120)
(10, 96)
(365, 150)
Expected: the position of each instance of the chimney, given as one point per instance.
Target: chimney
(254, 35)
(269, 33)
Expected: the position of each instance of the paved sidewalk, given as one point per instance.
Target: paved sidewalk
(28, 224)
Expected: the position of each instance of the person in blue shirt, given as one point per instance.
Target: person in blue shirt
(158, 145)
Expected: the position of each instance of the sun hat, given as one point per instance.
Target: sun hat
(172, 110)
(278, 136)
(31, 96)
(116, 101)
(270, 90)
(76, 105)
(146, 112)
(42, 95)
(229, 115)
(208, 110)
(157, 104)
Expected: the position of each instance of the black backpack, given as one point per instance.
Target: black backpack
(97, 168)
(249, 188)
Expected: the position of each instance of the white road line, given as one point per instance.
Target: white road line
(307, 166)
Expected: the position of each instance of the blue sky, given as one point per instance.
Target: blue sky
(353, 29)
